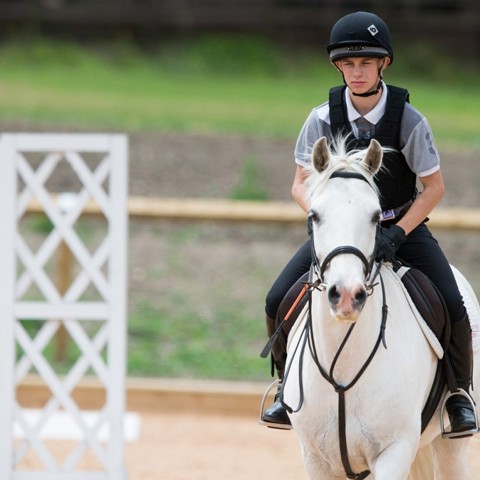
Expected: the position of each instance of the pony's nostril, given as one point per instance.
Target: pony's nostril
(360, 297)
(333, 295)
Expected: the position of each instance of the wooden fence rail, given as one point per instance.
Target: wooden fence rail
(250, 211)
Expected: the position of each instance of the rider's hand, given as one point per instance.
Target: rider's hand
(388, 242)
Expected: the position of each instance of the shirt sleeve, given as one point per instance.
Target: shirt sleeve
(420, 151)
(313, 128)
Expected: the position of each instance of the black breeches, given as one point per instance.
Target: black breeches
(421, 251)
(295, 268)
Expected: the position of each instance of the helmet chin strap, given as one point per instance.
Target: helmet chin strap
(371, 93)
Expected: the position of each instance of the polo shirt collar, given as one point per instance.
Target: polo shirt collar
(374, 115)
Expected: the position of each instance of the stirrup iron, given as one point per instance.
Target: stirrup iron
(261, 421)
(465, 433)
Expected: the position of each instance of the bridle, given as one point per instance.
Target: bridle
(318, 270)
(345, 249)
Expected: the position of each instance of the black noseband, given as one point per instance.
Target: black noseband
(342, 250)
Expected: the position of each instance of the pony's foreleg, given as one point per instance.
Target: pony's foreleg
(395, 461)
(422, 467)
(317, 469)
(450, 458)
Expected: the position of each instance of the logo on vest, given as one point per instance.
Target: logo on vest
(387, 215)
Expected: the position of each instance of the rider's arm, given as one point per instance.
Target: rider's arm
(433, 190)
(299, 189)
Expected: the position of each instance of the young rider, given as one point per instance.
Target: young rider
(360, 48)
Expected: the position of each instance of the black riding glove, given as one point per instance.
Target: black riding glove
(388, 242)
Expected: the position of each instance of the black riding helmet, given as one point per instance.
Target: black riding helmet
(360, 34)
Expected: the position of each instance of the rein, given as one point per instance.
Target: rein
(307, 337)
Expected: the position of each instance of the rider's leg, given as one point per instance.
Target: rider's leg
(277, 413)
(459, 408)
(423, 252)
(295, 268)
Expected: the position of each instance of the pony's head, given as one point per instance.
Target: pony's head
(344, 214)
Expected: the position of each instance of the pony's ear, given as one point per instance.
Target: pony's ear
(373, 157)
(320, 154)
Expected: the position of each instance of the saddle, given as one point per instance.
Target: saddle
(429, 304)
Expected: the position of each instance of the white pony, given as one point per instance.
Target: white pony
(362, 417)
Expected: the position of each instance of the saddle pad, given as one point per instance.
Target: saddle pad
(471, 304)
(475, 324)
(427, 331)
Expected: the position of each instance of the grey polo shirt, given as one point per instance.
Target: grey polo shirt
(416, 138)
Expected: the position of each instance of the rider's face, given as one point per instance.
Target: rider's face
(361, 73)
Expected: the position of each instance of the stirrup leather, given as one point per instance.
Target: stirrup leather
(465, 433)
(261, 421)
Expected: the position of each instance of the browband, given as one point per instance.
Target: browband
(341, 174)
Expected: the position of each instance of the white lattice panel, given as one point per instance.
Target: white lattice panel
(63, 173)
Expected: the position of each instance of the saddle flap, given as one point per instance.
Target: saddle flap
(289, 300)
(429, 303)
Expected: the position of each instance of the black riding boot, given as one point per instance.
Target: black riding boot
(276, 414)
(460, 410)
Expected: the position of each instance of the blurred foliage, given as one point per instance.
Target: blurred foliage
(221, 55)
(225, 55)
(233, 84)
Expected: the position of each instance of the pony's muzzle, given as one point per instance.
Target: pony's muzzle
(347, 303)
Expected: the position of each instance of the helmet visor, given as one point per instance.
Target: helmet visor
(357, 51)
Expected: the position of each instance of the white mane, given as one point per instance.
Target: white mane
(340, 160)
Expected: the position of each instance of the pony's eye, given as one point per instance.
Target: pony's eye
(376, 217)
(313, 217)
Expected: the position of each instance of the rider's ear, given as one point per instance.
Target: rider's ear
(338, 65)
(386, 63)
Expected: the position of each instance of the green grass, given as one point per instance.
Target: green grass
(184, 343)
(200, 313)
(232, 85)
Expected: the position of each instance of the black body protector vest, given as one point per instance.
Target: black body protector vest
(396, 181)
